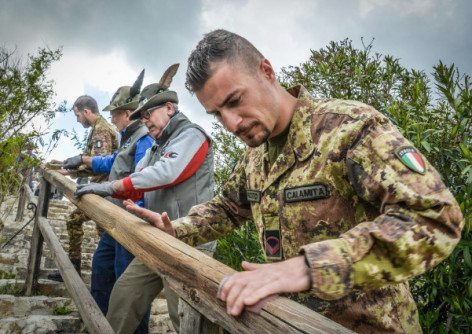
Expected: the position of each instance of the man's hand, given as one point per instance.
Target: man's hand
(72, 162)
(101, 189)
(162, 222)
(260, 281)
(63, 171)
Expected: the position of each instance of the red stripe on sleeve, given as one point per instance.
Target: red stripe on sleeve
(190, 169)
(128, 184)
(129, 192)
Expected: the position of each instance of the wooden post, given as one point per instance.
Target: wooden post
(36, 250)
(192, 322)
(92, 316)
(21, 204)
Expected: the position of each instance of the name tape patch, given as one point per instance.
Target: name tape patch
(306, 193)
(253, 196)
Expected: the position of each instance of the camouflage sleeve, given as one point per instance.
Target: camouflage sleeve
(419, 225)
(211, 220)
(103, 141)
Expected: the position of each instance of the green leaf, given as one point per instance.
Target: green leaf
(467, 258)
(465, 150)
(426, 146)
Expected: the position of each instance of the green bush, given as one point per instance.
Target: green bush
(26, 101)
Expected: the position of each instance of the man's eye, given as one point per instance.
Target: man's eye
(234, 102)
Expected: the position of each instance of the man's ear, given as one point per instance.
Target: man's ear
(170, 109)
(267, 69)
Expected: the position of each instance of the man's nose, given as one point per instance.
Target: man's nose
(230, 121)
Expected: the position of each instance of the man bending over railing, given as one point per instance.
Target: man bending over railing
(346, 208)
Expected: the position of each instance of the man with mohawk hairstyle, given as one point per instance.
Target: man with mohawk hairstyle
(175, 174)
(346, 208)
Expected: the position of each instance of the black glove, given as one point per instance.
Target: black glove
(101, 189)
(72, 162)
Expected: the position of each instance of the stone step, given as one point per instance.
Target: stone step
(45, 287)
(9, 259)
(159, 306)
(19, 273)
(13, 306)
(42, 324)
(160, 323)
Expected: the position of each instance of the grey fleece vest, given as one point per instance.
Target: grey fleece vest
(123, 165)
(178, 199)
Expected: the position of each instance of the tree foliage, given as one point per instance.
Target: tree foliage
(26, 111)
(435, 114)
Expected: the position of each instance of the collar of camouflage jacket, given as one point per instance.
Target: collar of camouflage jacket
(299, 143)
(299, 136)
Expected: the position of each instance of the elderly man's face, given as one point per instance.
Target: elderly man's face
(157, 118)
(245, 103)
(120, 118)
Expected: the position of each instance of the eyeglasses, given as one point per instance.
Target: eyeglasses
(147, 113)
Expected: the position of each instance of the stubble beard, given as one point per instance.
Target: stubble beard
(253, 140)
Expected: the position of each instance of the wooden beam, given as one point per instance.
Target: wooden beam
(34, 259)
(192, 274)
(29, 196)
(21, 204)
(92, 316)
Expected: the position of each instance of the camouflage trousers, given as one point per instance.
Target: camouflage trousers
(76, 233)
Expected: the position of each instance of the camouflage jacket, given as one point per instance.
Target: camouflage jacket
(342, 193)
(102, 140)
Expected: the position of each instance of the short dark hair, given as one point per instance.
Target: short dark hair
(217, 46)
(86, 101)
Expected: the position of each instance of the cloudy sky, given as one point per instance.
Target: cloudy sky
(106, 43)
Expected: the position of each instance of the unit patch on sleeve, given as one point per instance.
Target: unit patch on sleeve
(411, 158)
(306, 193)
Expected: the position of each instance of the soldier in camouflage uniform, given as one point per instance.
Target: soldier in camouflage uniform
(348, 208)
(102, 140)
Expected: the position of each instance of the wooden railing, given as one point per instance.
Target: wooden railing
(193, 275)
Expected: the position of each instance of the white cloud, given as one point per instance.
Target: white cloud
(401, 7)
(79, 69)
(277, 28)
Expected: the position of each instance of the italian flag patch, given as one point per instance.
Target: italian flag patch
(411, 158)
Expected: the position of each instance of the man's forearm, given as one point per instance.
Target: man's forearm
(87, 160)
